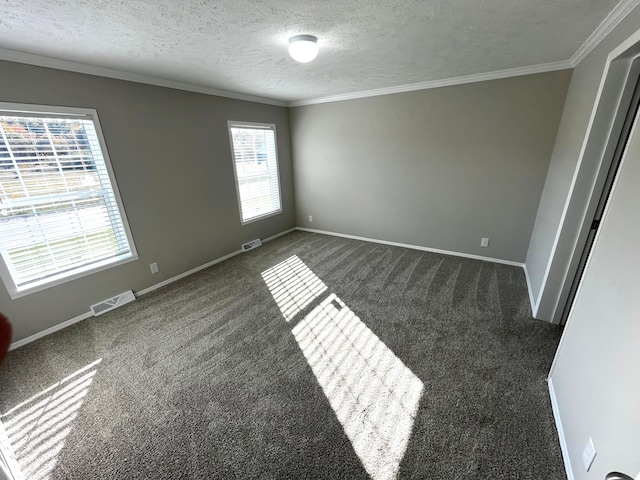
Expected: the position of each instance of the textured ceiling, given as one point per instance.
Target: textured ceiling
(241, 45)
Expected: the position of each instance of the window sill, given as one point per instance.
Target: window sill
(71, 275)
(261, 217)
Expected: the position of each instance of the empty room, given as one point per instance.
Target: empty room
(341, 239)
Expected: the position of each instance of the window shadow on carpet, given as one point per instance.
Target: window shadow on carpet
(374, 395)
(37, 428)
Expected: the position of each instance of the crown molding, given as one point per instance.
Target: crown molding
(447, 82)
(611, 21)
(59, 64)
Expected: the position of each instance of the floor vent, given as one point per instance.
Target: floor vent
(252, 244)
(111, 303)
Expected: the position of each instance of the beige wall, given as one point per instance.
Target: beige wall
(438, 168)
(172, 160)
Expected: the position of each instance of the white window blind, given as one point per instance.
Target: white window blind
(59, 212)
(255, 163)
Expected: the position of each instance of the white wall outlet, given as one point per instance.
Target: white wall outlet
(588, 454)
(484, 242)
(154, 267)
(310, 218)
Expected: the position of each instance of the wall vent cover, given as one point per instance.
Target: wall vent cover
(252, 244)
(111, 303)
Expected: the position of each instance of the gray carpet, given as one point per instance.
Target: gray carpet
(309, 357)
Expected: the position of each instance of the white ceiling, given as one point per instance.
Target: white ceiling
(241, 45)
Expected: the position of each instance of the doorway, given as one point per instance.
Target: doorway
(593, 222)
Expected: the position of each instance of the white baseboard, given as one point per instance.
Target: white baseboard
(206, 265)
(175, 278)
(273, 237)
(50, 330)
(534, 307)
(563, 442)
(415, 247)
(139, 293)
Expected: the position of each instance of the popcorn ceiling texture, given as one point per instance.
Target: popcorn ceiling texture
(241, 45)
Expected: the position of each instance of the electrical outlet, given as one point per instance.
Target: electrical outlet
(154, 267)
(588, 454)
(484, 242)
(310, 218)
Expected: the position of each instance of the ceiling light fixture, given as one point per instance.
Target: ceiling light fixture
(303, 48)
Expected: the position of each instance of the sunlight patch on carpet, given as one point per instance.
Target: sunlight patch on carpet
(38, 427)
(293, 286)
(374, 395)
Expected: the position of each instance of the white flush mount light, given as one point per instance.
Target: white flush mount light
(303, 48)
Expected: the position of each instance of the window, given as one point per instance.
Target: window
(255, 163)
(60, 211)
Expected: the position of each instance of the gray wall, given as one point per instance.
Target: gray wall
(437, 168)
(595, 374)
(573, 159)
(172, 160)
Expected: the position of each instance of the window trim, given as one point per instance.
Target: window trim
(264, 126)
(83, 271)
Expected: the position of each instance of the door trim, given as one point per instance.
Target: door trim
(603, 185)
(604, 124)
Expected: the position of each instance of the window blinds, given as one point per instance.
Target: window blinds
(256, 168)
(58, 211)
